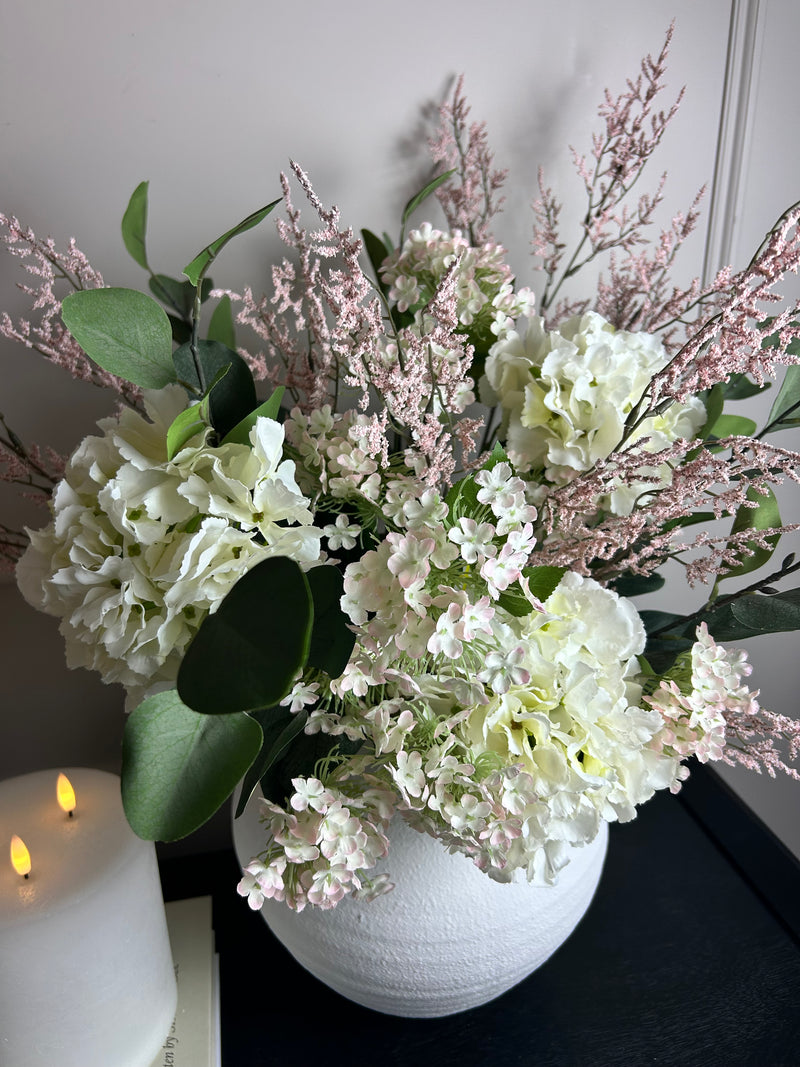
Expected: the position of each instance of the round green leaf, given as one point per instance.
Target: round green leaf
(134, 225)
(178, 767)
(124, 332)
(246, 655)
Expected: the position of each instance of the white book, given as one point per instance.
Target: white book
(194, 1040)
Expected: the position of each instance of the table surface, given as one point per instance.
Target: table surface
(689, 955)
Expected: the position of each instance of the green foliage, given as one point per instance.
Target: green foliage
(233, 396)
(134, 225)
(247, 654)
(764, 516)
(376, 253)
(421, 197)
(331, 639)
(183, 429)
(270, 409)
(637, 584)
(740, 387)
(542, 581)
(785, 413)
(280, 727)
(300, 760)
(178, 767)
(178, 295)
(198, 266)
(221, 327)
(665, 640)
(124, 332)
(733, 618)
(714, 401)
(732, 426)
(755, 614)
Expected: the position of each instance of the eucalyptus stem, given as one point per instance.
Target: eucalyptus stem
(789, 566)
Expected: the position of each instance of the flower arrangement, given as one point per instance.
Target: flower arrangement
(400, 584)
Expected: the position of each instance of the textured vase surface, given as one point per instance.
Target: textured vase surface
(447, 938)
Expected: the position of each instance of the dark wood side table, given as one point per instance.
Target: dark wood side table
(688, 957)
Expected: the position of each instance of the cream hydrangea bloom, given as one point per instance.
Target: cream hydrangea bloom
(577, 727)
(566, 394)
(141, 548)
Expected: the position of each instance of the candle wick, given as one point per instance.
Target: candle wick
(70, 814)
(26, 877)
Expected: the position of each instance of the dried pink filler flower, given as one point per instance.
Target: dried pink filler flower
(718, 482)
(49, 336)
(632, 130)
(473, 202)
(324, 322)
(734, 340)
(323, 312)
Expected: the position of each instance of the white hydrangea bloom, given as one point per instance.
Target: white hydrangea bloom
(566, 394)
(575, 726)
(141, 548)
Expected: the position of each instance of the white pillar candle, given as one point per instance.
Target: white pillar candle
(86, 975)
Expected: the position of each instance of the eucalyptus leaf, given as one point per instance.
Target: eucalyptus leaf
(514, 601)
(134, 225)
(331, 638)
(280, 727)
(755, 614)
(221, 327)
(779, 613)
(270, 409)
(662, 620)
(542, 581)
(300, 761)
(421, 196)
(201, 261)
(177, 295)
(181, 330)
(247, 654)
(733, 426)
(663, 650)
(183, 429)
(376, 253)
(788, 399)
(124, 332)
(764, 516)
(714, 402)
(638, 584)
(740, 387)
(233, 397)
(178, 767)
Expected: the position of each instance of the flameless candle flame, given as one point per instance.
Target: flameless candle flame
(20, 857)
(65, 794)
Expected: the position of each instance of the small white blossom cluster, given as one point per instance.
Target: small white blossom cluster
(701, 691)
(486, 302)
(141, 548)
(321, 846)
(566, 394)
(340, 455)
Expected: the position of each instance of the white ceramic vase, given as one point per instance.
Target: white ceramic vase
(446, 939)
